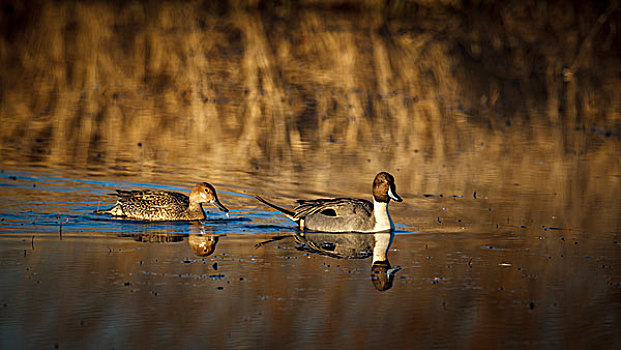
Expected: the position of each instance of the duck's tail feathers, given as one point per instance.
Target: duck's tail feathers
(103, 211)
(289, 213)
(114, 210)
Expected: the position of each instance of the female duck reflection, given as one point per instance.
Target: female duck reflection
(352, 246)
(202, 244)
(202, 240)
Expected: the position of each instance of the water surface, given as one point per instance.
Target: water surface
(504, 143)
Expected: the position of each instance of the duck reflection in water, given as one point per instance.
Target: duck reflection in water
(351, 246)
(202, 241)
(201, 244)
(154, 237)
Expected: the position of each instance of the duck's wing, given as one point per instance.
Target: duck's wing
(154, 198)
(341, 207)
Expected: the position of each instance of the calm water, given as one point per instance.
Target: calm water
(509, 235)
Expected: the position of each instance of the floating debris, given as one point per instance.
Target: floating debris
(436, 280)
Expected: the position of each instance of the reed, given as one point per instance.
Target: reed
(335, 84)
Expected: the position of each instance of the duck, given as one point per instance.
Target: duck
(151, 205)
(346, 214)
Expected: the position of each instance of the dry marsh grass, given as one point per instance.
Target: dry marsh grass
(334, 85)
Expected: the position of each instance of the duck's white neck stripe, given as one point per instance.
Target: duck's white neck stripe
(382, 243)
(383, 222)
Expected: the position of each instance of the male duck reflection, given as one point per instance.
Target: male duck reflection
(346, 214)
(351, 246)
(165, 206)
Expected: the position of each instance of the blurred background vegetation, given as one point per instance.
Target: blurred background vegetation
(293, 85)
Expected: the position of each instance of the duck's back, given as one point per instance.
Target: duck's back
(336, 215)
(151, 205)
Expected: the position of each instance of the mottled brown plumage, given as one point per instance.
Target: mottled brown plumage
(165, 206)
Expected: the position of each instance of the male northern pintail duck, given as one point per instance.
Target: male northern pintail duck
(165, 206)
(346, 214)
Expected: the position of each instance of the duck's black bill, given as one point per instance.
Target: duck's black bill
(393, 194)
(219, 205)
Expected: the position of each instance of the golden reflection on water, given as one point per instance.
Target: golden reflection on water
(500, 122)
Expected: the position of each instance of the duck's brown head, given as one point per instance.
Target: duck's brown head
(205, 193)
(384, 188)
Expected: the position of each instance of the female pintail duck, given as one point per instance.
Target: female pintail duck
(165, 206)
(346, 214)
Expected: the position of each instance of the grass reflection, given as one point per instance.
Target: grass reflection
(144, 83)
